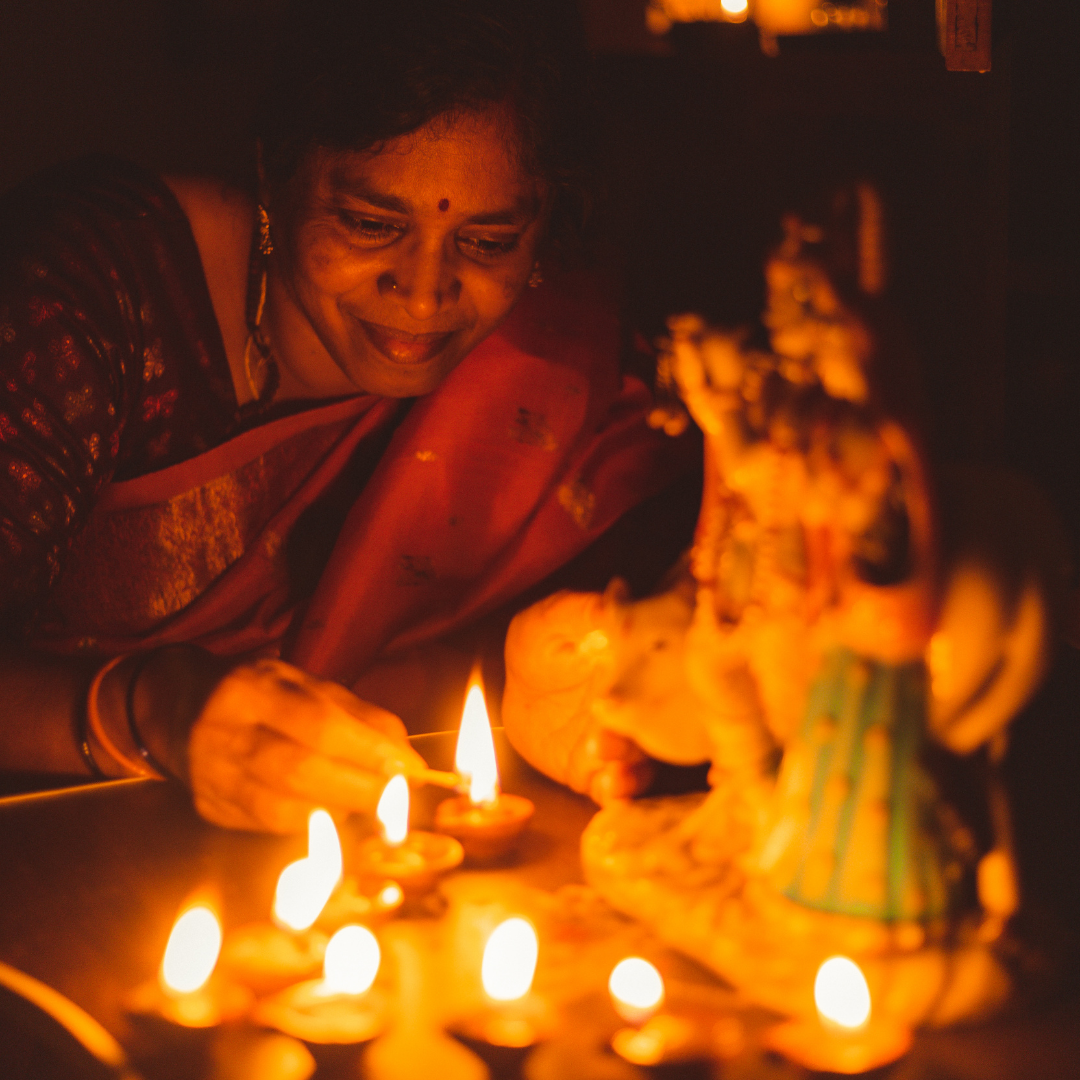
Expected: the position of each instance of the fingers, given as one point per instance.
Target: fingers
(611, 746)
(325, 781)
(617, 780)
(273, 743)
(321, 716)
(607, 766)
(247, 803)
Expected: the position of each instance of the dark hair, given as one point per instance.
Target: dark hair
(351, 74)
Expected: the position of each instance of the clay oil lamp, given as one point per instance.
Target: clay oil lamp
(844, 1037)
(339, 1008)
(269, 955)
(366, 900)
(188, 993)
(513, 1019)
(660, 1034)
(485, 820)
(414, 860)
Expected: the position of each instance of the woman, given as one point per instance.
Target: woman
(253, 449)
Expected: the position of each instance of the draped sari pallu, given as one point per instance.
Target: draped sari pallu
(525, 454)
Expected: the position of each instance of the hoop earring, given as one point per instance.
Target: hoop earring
(266, 245)
(536, 277)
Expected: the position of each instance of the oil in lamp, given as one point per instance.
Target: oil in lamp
(339, 1008)
(414, 860)
(269, 955)
(513, 1019)
(658, 1036)
(365, 901)
(485, 820)
(187, 992)
(844, 1038)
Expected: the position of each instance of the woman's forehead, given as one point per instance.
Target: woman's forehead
(469, 165)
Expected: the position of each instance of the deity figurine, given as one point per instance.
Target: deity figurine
(841, 636)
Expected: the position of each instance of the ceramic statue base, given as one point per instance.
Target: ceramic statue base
(642, 858)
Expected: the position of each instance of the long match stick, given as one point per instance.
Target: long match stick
(438, 777)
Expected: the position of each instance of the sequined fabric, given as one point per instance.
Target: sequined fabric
(111, 362)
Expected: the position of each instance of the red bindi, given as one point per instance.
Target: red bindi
(444, 204)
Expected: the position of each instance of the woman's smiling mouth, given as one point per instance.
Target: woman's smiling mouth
(403, 348)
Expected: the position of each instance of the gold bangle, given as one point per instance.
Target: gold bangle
(93, 716)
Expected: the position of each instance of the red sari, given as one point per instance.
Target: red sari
(526, 453)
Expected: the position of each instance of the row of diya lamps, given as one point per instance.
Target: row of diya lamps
(267, 972)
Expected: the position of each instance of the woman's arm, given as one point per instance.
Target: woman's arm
(259, 744)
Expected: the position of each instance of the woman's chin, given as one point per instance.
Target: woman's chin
(390, 378)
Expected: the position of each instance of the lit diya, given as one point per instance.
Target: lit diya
(659, 1036)
(844, 1038)
(486, 821)
(360, 901)
(513, 1018)
(267, 956)
(187, 992)
(413, 859)
(341, 1007)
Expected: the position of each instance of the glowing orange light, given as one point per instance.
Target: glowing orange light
(510, 960)
(475, 756)
(304, 886)
(352, 961)
(192, 951)
(841, 993)
(393, 810)
(390, 894)
(637, 989)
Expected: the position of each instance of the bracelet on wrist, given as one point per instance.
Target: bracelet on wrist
(133, 724)
(97, 726)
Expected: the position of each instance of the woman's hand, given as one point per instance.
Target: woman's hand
(559, 661)
(273, 743)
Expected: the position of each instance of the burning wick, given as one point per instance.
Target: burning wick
(186, 992)
(509, 962)
(844, 1038)
(393, 811)
(636, 988)
(340, 1007)
(514, 1019)
(414, 860)
(267, 956)
(305, 885)
(665, 1036)
(486, 821)
(192, 952)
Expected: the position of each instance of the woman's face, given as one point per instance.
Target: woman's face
(391, 265)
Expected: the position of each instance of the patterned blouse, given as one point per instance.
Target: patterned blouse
(111, 361)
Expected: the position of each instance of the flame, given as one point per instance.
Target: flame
(734, 7)
(324, 846)
(475, 757)
(305, 885)
(637, 989)
(841, 993)
(351, 962)
(393, 810)
(509, 960)
(192, 951)
(390, 894)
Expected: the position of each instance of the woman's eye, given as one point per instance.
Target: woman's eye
(370, 229)
(487, 248)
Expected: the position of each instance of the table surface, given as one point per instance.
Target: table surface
(92, 879)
